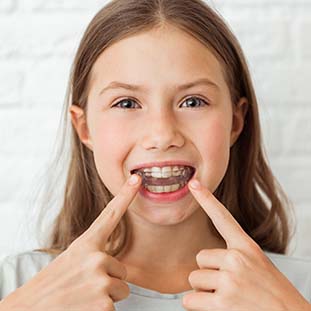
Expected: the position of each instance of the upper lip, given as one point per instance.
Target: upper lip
(161, 164)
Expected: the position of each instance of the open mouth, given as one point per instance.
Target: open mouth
(166, 179)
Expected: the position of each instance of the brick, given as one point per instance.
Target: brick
(264, 38)
(8, 6)
(36, 36)
(301, 80)
(28, 132)
(16, 228)
(261, 3)
(294, 175)
(298, 245)
(304, 35)
(11, 82)
(62, 5)
(287, 131)
(283, 82)
(21, 176)
(46, 83)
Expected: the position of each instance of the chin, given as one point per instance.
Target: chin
(165, 214)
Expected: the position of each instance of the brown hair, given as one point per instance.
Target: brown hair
(249, 190)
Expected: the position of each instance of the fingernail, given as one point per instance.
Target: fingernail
(194, 184)
(133, 180)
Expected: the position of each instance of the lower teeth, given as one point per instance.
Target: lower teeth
(169, 188)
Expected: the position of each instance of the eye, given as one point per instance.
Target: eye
(126, 103)
(193, 100)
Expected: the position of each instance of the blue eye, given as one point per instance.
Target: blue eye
(191, 100)
(127, 102)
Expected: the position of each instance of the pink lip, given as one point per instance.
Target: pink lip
(162, 163)
(163, 197)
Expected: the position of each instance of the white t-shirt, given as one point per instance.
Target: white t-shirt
(18, 268)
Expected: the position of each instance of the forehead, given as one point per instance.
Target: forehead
(157, 57)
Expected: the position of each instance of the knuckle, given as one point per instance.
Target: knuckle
(100, 258)
(109, 209)
(80, 243)
(123, 271)
(231, 284)
(219, 302)
(225, 215)
(224, 277)
(192, 276)
(187, 301)
(201, 254)
(119, 267)
(96, 259)
(124, 291)
(235, 258)
(106, 304)
(127, 291)
(106, 283)
(228, 278)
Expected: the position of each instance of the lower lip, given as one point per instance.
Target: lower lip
(164, 197)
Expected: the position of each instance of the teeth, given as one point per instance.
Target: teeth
(170, 188)
(176, 171)
(164, 172)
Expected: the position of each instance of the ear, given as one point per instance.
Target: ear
(79, 122)
(238, 118)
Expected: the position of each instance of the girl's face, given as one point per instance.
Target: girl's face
(159, 121)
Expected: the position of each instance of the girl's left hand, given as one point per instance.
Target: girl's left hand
(241, 277)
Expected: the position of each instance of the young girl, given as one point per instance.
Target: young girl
(160, 90)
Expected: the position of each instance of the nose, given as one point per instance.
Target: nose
(162, 131)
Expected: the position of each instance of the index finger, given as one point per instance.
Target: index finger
(108, 219)
(224, 222)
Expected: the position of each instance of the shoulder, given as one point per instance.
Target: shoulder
(33, 255)
(17, 268)
(296, 269)
(27, 261)
(289, 262)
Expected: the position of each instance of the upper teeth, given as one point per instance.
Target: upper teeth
(164, 172)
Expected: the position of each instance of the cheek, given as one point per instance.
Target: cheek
(106, 137)
(215, 150)
(110, 148)
(216, 140)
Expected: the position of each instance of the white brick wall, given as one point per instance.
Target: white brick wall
(38, 39)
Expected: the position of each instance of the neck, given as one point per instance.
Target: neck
(155, 249)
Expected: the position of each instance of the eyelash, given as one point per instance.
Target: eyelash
(192, 97)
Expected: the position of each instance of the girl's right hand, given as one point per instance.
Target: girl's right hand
(83, 277)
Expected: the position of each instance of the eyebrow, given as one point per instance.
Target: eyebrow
(133, 87)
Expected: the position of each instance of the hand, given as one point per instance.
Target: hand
(83, 277)
(241, 277)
